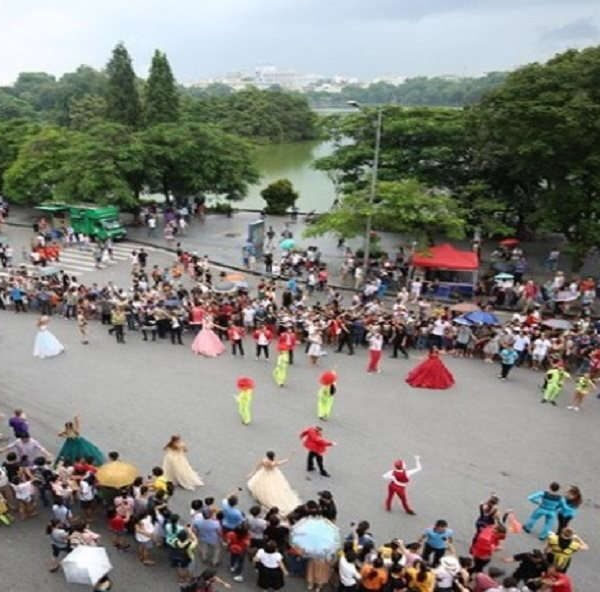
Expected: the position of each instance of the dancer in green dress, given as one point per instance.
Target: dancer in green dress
(76, 446)
(244, 398)
(281, 368)
(325, 397)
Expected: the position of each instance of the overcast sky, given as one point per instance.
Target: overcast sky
(364, 38)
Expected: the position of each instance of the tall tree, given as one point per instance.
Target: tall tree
(122, 98)
(161, 96)
(399, 206)
(13, 134)
(536, 142)
(186, 159)
(31, 178)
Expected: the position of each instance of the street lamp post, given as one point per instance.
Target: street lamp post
(367, 250)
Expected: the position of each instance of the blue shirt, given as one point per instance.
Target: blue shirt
(509, 356)
(438, 540)
(207, 530)
(232, 517)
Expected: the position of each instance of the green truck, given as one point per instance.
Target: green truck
(94, 221)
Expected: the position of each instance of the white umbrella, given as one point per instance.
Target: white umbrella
(86, 565)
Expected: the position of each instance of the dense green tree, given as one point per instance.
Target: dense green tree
(271, 115)
(86, 111)
(536, 142)
(31, 178)
(190, 158)
(85, 86)
(122, 98)
(13, 134)
(279, 195)
(420, 91)
(407, 207)
(38, 89)
(161, 95)
(103, 166)
(12, 107)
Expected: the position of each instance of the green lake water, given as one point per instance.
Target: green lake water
(293, 162)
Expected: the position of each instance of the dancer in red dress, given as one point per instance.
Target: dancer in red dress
(431, 373)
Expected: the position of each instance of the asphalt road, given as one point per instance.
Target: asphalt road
(481, 436)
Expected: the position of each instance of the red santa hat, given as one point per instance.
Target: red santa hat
(245, 383)
(328, 378)
(399, 464)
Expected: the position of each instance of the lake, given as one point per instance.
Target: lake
(294, 162)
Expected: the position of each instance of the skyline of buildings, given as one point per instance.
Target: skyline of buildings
(268, 75)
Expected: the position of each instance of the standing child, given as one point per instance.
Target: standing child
(25, 496)
(118, 526)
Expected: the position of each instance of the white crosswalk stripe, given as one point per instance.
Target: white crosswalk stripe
(76, 261)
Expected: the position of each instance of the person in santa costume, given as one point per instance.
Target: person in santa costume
(398, 478)
(244, 398)
(325, 397)
(313, 441)
(262, 337)
(287, 340)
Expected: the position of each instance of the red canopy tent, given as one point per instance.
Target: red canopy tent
(446, 257)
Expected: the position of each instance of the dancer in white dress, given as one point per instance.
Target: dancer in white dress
(45, 344)
(176, 466)
(269, 486)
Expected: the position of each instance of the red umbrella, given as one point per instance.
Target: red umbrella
(509, 242)
(328, 378)
(245, 383)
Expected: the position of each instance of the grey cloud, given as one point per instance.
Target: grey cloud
(582, 29)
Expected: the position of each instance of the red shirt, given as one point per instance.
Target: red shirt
(84, 467)
(268, 335)
(235, 333)
(287, 342)
(561, 583)
(313, 441)
(117, 523)
(237, 544)
(487, 542)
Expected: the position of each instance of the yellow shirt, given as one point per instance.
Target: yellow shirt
(160, 484)
(560, 556)
(427, 585)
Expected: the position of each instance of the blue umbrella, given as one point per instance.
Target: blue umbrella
(480, 317)
(287, 244)
(461, 321)
(316, 537)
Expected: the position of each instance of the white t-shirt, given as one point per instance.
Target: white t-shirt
(349, 575)
(24, 491)
(3, 477)
(86, 491)
(443, 579)
(521, 342)
(439, 326)
(375, 342)
(541, 346)
(269, 560)
(147, 526)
